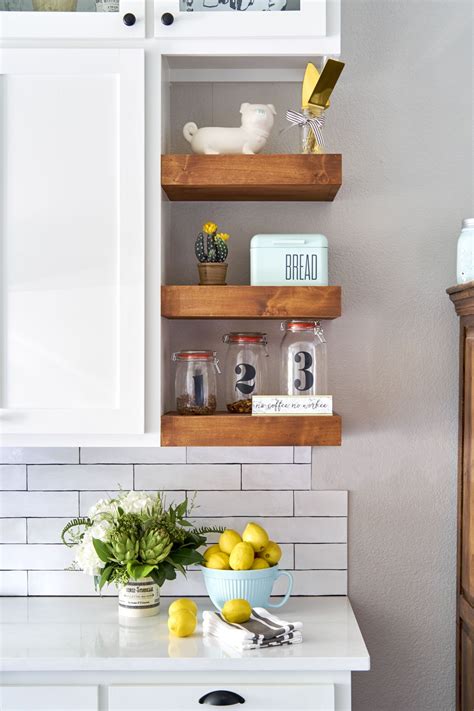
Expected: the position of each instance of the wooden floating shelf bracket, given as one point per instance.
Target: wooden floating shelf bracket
(257, 177)
(228, 430)
(250, 302)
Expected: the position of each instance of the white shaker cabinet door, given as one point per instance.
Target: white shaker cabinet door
(239, 18)
(72, 241)
(49, 698)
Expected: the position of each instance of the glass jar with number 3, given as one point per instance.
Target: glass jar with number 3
(246, 371)
(303, 359)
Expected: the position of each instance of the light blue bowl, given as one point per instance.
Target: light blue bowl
(253, 585)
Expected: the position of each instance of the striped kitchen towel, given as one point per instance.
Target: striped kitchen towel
(262, 630)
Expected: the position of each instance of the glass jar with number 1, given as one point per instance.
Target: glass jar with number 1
(303, 352)
(195, 382)
(246, 370)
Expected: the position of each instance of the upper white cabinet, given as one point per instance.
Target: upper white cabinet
(253, 23)
(70, 19)
(72, 241)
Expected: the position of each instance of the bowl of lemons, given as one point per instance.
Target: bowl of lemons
(244, 567)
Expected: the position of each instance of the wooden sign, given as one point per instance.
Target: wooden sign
(292, 405)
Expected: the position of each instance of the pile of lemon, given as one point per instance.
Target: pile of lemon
(182, 617)
(253, 550)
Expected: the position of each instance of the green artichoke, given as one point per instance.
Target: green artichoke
(155, 545)
(125, 547)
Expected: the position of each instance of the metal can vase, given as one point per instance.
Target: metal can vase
(139, 598)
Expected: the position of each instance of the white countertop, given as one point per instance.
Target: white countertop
(85, 634)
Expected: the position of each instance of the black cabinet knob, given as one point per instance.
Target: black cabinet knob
(167, 18)
(129, 19)
(222, 698)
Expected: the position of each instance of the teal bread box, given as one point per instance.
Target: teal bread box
(289, 260)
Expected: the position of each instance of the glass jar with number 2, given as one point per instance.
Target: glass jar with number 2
(246, 371)
(303, 359)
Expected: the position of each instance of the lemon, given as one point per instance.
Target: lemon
(259, 564)
(228, 540)
(182, 623)
(241, 557)
(271, 553)
(183, 604)
(256, 536)
(236, 611)
(209, 551)
(218, 561)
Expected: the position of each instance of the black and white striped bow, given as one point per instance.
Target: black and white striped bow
(316, 123)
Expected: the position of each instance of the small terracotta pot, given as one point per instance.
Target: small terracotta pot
(212, 273)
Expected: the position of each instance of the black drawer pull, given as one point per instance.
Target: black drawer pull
(221, 698)
(167, 18)
(129, 19)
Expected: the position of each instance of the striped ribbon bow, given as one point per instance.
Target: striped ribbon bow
(316, 123)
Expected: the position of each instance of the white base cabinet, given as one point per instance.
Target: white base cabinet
(176, 691)
(46, 697)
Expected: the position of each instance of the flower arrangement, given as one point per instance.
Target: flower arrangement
(134, 536)
(210, 245)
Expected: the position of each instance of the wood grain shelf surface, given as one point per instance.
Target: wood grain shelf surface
(250, 302)
(259, 177)
(227, 430)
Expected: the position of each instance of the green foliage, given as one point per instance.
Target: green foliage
(74, 535)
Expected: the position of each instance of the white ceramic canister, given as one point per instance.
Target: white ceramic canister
(289, 260)
(139, 598)
(465, 261)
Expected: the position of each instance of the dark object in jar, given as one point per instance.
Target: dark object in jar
(186, 406)
(240, 406)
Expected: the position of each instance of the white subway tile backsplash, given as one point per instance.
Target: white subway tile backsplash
(39, 455)
(133, 455)
(35, 557)
(276, 476)
(287, 529)
(320, 503)
(64, 582)
(44, 488)
(239, 455)
(12, 530)
(12, 477)
(302, 455)
(45, 530)
(13, 582)
(244, 503)
(191, 477)
(324, 556)
(39, 503)
(315, 582)
(78, 477)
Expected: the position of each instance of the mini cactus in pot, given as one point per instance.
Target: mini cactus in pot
(211, 251)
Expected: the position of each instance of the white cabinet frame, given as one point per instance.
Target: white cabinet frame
(74, 25)
(127, 412)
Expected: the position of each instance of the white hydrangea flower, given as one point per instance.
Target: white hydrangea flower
(103, 506)
(86, 557)
(137, 501)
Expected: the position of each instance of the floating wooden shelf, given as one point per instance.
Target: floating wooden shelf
(258, 177)
(251, 302)
(226, 430)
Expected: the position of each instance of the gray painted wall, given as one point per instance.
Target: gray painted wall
(402, 117)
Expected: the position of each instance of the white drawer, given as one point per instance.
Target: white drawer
(49, 698)
(257, 697)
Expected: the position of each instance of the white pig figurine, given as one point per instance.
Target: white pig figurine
(249, 138)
